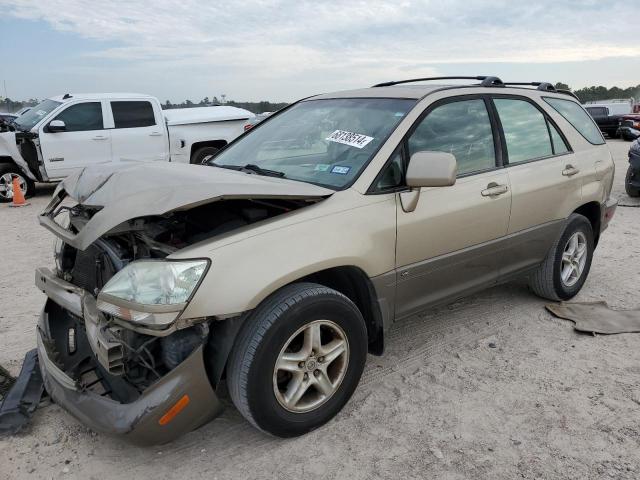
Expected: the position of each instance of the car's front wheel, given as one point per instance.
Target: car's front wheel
(298, 359)
(9, 172)
(565, 269)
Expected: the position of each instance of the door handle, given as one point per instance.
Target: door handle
(100, 137)
(570, 171)
(493, 190)
(155, 134)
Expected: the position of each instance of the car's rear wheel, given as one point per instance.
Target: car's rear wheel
(565, 269)
(203, 155)
(8, 172)
(298, 359)
(630, 189)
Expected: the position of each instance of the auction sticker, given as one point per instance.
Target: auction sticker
(349, 138)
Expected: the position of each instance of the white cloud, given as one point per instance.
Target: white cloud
(337, 43)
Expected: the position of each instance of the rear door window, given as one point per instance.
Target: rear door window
(132, 114)
(578, 118)
(82, 117)
(462, 128)
(525, 130)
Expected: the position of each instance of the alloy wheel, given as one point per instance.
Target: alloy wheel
(574, 259)
(311, 366)
(6, 185)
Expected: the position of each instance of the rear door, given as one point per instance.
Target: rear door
(137, 131)
(544, 177)
(84, 142)
(448, 246)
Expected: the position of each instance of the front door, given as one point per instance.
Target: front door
(448, 246)
(84, 142)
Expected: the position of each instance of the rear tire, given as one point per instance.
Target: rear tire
(631, 190)
(203, 155)
(7, 172)
(563, 272)
(266, 366)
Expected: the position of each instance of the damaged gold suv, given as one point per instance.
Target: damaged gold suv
(279, 265)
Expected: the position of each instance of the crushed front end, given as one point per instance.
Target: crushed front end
(116, 347)
(124, 363)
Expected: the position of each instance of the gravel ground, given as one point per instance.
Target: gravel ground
(488, 387)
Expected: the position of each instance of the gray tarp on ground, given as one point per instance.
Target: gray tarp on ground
(597, 317)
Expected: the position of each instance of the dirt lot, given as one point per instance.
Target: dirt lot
(546, 402)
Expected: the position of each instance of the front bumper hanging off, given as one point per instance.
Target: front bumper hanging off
(175, 404)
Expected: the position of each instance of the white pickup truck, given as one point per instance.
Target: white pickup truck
(66, 133)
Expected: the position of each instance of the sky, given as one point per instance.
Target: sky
(253, 50)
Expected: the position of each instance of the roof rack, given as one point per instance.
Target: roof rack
(544, 86)
(485, 81)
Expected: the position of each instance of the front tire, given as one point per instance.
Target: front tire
(567, 265)
(9, 171)
(298, 359)
(630, 189)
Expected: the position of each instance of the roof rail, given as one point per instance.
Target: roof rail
(485, 81)
(543, 86)
(570, 93)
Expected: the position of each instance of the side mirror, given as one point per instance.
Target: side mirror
(56, 126)
(432, 169)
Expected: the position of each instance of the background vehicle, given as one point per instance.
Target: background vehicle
(280, 266)
(608, 113)
(64, 134)
(630, 127)
(7, 117)
(632, 179)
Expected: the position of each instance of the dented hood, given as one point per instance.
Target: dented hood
(125, 193)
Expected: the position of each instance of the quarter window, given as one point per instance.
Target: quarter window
(525, 130)
(392, 175)
(578, 117)
(82, 117)
(132, 114)
(462, 128)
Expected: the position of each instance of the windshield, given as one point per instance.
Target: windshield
(29, 119)
(325, 142)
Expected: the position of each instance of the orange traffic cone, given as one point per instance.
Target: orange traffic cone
(18, 196)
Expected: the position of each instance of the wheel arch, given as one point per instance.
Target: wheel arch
(354, 283)
(349, 280)
(592, 211)
(208, 143)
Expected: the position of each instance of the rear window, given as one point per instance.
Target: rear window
(598, 111)
(132, 114)
(578, 117)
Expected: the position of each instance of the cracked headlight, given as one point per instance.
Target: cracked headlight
(151, 292)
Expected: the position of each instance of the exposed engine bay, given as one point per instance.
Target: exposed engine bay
(105, 354)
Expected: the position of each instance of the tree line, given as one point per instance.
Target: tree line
(587, 94)
(254, 107)
(595, 94)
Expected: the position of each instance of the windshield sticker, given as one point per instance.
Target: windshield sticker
(349, 138)
(322, 167)
(341, 170)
